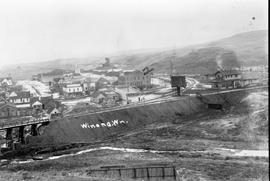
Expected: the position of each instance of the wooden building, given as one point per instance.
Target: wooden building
(135, 78)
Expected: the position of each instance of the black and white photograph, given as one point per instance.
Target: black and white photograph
(134, 90)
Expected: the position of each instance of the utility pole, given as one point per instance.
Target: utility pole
(171, 61)
(171, 67)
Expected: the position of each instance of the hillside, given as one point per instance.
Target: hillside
(201, 61)
(25, 71)
(249, 48)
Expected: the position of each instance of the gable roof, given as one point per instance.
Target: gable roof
(12, 94)
(3, 99)
(52, 109)
(22, 94)
(7, 104)
(37, 103)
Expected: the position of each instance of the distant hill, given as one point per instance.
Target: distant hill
(249, 48)
(25, 71)
(201, 61)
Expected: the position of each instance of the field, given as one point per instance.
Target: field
(211, 145)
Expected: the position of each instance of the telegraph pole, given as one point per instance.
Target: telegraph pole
(171, 61)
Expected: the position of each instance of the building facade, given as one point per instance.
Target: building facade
(230, 79)
(20, 99)
(73, 90)
(10, 110)
(135, 78)
(106, 97)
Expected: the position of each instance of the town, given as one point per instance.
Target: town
(27, 105)
(132, 90)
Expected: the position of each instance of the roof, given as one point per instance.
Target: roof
(73, 85)
(7, 104)
(22, 94)
(37, 103)
(114, 70)
(110, 92)
(3, 99)
(13, 94)
(220, 81)
(49, 111)
(228, 72)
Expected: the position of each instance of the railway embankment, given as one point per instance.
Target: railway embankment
(97, 126)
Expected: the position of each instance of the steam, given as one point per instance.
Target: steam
(219, 62)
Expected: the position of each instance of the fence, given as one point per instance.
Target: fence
(150, 173)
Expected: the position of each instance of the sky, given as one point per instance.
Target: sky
(42, 30)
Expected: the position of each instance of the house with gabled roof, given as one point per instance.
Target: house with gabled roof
(37, 105)
(230, 79)
(227, 75)
(54, 112)
(105, 96)
(8, 110)
(20, 99)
